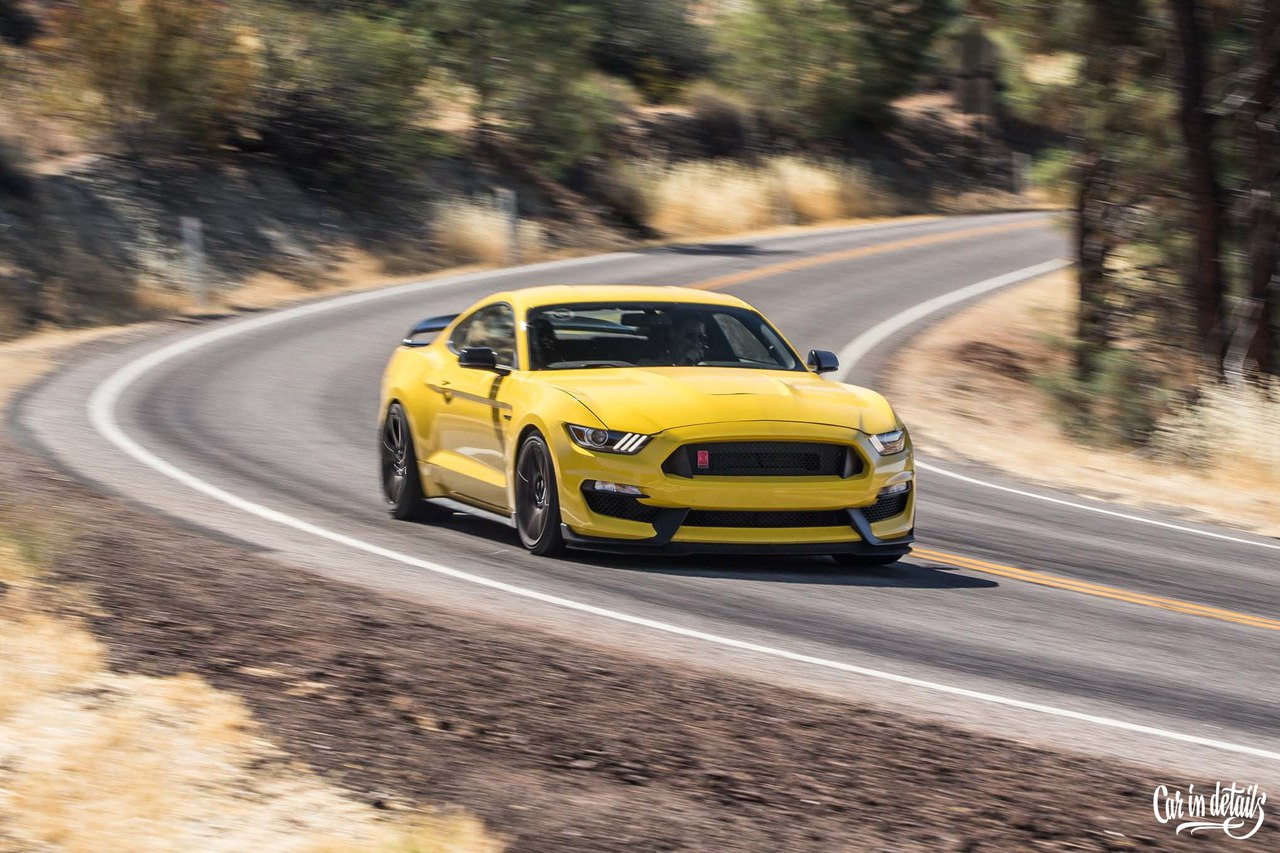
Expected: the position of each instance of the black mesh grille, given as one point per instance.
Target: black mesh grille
(770, 518)
(763, 459)
(619, 506)
(886, 507)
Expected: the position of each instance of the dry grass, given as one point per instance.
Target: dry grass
(477, 231)
(707, 198)
(699, 198)
(811, 192)
(962, 392)
(1245, 452)
(989, 200)
(93, 760)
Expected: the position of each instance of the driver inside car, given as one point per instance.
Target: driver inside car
(688, 340)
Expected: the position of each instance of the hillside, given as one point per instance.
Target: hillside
(314, 141)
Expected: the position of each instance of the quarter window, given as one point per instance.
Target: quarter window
(493, 326)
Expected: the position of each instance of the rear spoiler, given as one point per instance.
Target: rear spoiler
(427, 327)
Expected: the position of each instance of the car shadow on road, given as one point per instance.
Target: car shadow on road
(817, 571)
(726, 249)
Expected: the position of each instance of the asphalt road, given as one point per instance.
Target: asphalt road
(274, 416)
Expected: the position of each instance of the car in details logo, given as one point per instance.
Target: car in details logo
(1236, 810)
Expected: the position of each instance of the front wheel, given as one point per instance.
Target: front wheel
(860, 561)
(537, 499)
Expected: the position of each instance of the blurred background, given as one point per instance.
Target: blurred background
(160, 157)
(318, 141)
(152, 149)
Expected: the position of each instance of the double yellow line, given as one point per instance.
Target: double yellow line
(1072, 585)
(1012, 572)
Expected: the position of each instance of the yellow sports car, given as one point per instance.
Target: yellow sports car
(654, 419)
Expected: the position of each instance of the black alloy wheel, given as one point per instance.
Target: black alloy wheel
(537, 500)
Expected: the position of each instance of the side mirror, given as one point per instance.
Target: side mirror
(821, 361)
(480, 358)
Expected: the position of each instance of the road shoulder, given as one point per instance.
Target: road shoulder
(966, 387)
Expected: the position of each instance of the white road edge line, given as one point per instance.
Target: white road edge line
(860, 346)
(102, 405)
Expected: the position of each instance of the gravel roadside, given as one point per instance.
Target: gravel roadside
(557, 746)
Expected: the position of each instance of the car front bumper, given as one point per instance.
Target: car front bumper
(842, 502)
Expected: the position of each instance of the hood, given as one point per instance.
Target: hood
(653, 399)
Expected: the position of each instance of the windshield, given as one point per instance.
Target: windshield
(630, 334)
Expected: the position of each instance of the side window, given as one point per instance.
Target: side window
(493, 326)
(745, 346)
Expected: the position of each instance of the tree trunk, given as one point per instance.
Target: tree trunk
(1206, 284)
(1093, 327)
(1265, 172)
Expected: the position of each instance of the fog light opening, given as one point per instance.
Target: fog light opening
(615, 488)
(895, 489)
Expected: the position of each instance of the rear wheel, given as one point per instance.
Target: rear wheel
(861, 561)
(537, 498)
(401, 486)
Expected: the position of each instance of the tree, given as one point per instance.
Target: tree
(655, 44)
(16, 24)
(524, 61)
(1206, 283)
(1264, 115)
(818, 69)
(342, 106)
(172, 73)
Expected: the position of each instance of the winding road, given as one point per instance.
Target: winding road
(1040, 616)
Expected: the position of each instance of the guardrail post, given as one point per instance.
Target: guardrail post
(508, 202)
(197, 280)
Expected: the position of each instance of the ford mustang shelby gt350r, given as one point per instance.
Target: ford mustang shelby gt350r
(642, 419)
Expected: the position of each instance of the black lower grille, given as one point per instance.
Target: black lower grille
(763, 459)
(619, 506)
(887, 507)
(766, 518)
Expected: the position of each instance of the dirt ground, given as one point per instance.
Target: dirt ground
(555, 746)
(966, 387)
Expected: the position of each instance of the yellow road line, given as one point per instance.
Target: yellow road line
(723, 281)
(1172, 605)
(1100, 590)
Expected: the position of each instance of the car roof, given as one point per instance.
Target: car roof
(560, 294)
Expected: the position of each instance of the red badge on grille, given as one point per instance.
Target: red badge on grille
(704, 458)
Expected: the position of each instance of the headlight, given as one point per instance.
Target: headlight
(888, 443)
(607, 440)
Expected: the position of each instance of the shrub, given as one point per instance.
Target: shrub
(560, 121)
(1120, 405)
(725, 196)
(811, 192)
(725, 124)
(478, 231)
(342, 106)
(720, 197)
(1231, 428)
(655, 44)
(170, 72)
(818, 68)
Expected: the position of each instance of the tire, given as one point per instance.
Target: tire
(859, 561)
(398, 467)
(537, 510)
